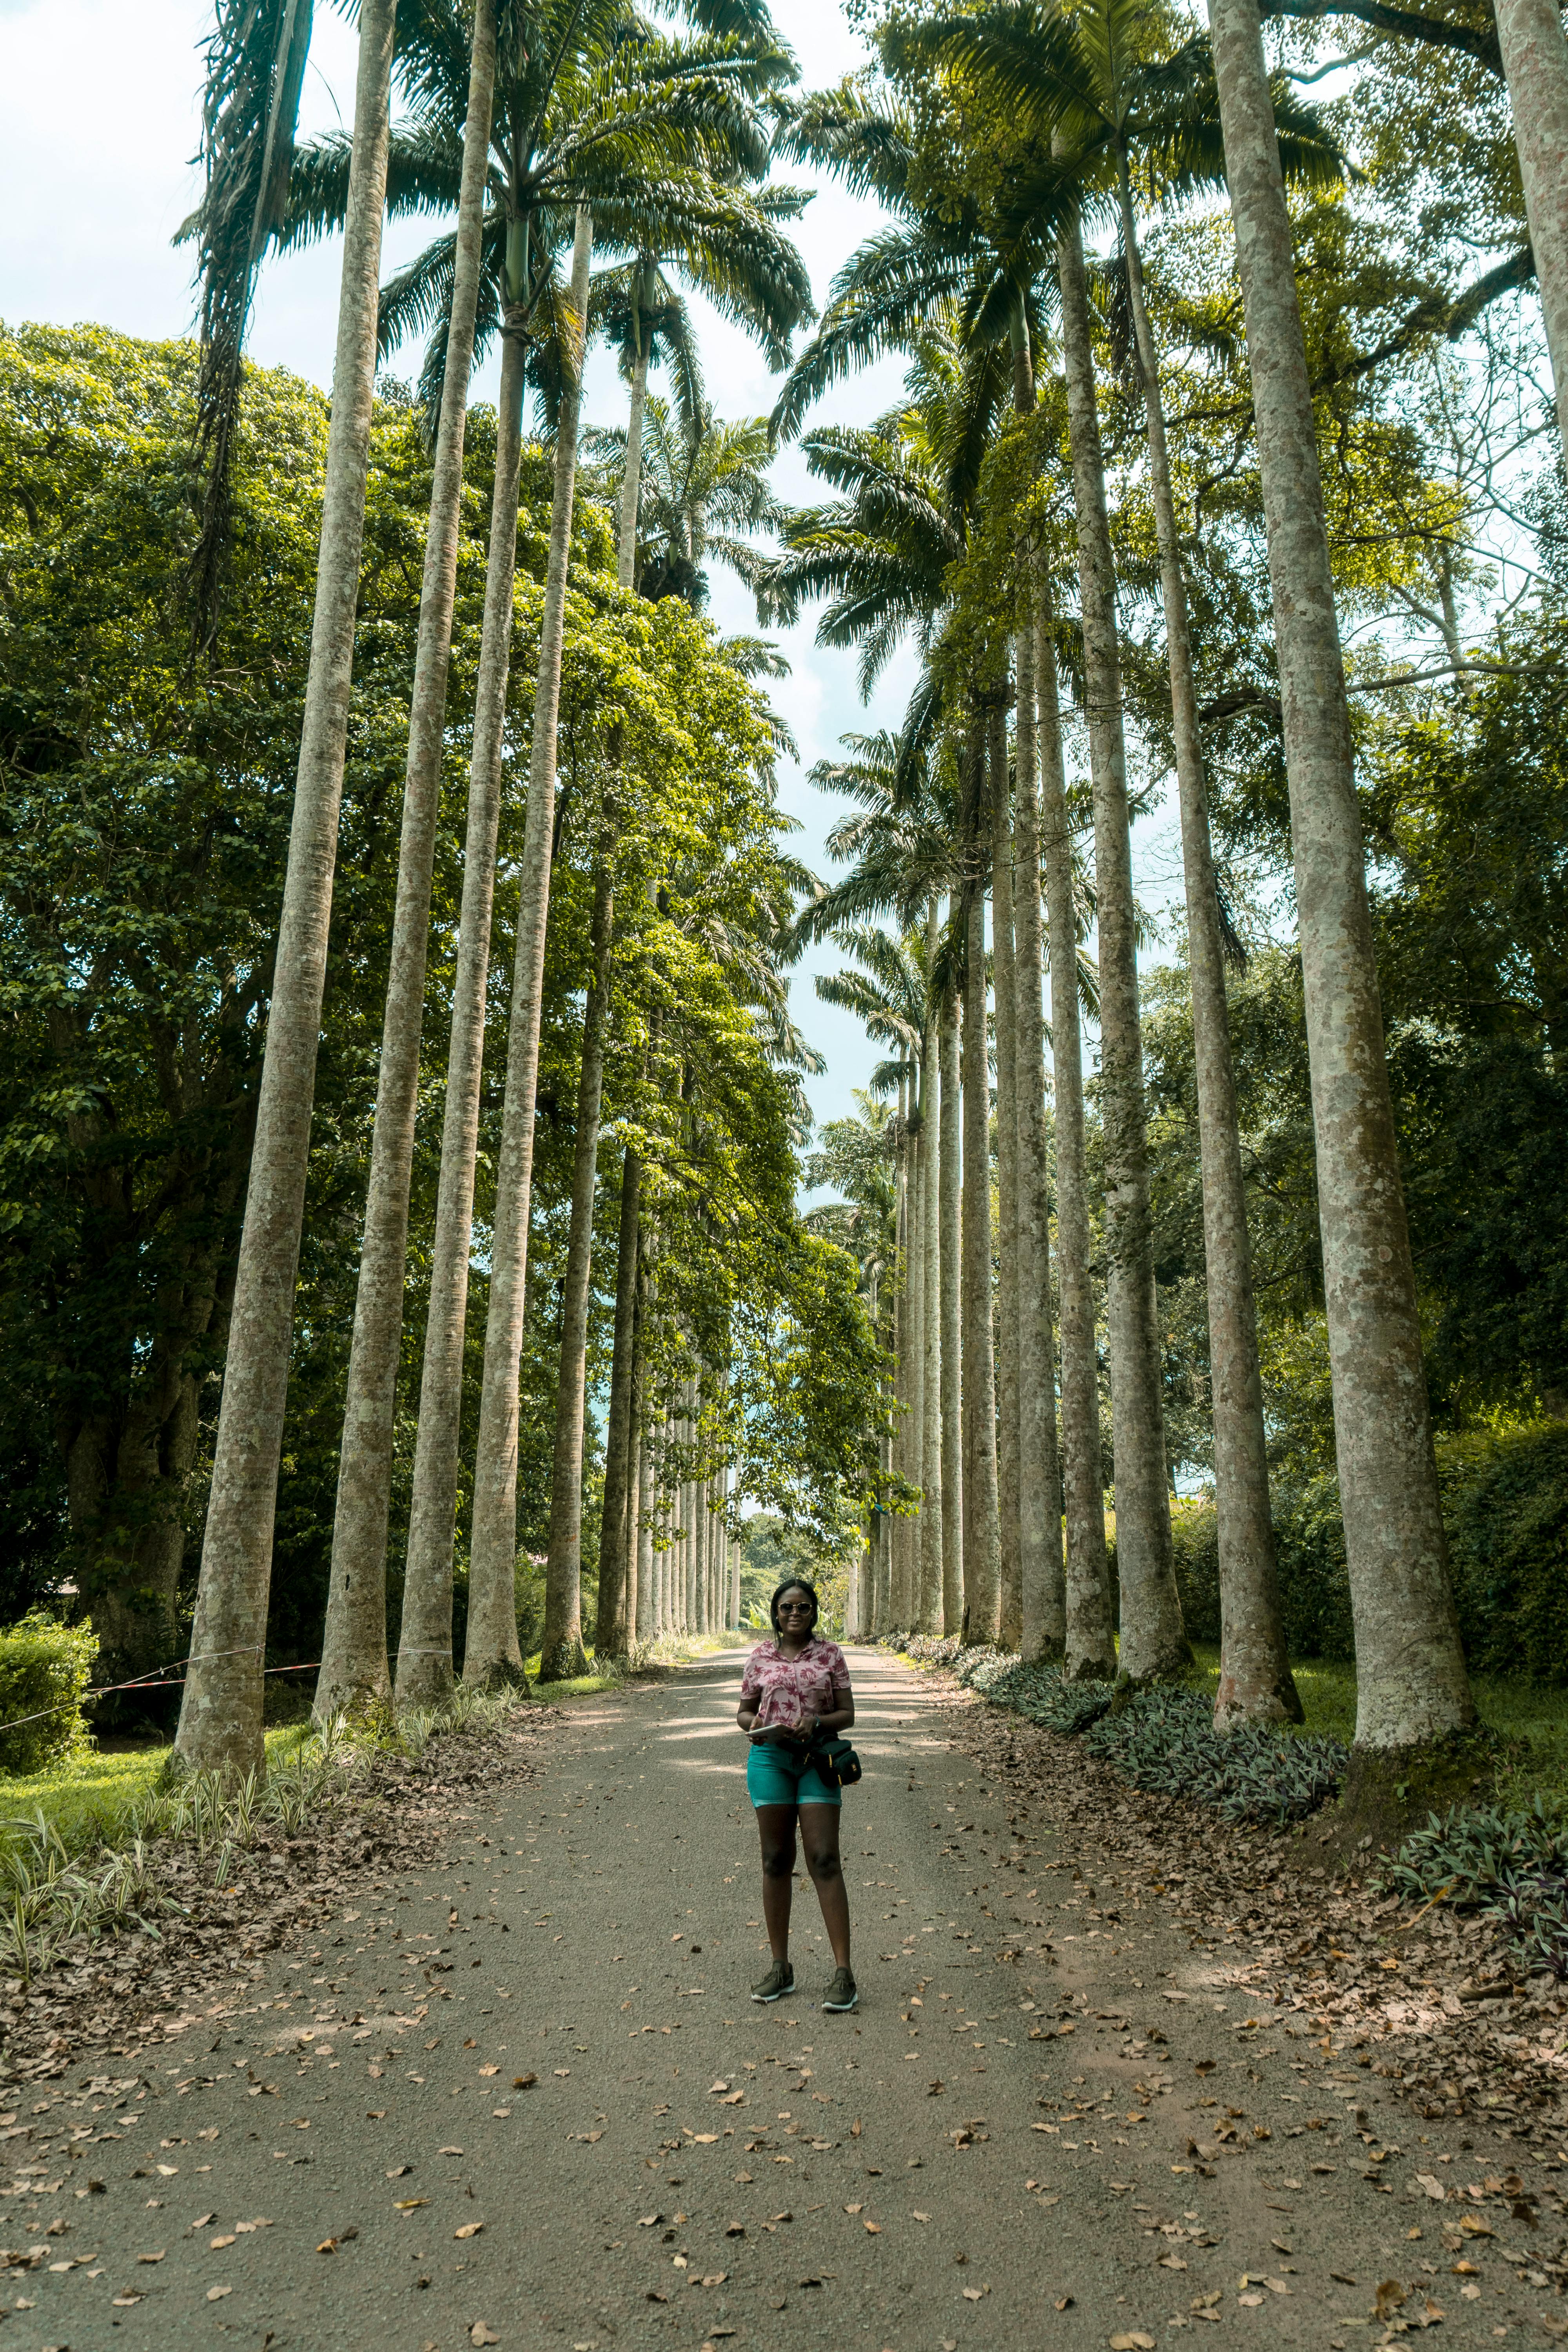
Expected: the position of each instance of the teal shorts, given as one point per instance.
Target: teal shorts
(776, 1775)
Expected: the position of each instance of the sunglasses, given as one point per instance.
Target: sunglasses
(795, 1607)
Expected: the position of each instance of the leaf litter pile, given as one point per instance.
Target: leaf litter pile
(203, 1921)
(1416, 1992)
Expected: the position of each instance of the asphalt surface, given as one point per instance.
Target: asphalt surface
(524, 2098)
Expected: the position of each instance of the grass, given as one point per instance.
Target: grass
(1532, 1717)
(90, 1800)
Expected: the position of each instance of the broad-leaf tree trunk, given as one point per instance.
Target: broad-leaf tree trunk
(614, 1630)
(1254, 1679)
(492, 1651)
(981, 1534)
(425, 1646)
(930, 1617)
(950, 1286)
(354, 1646)
(1535, 61)
(1411, 1691)
(647, 1618)
(1007, 1304)
(561, 1648)
(1154, 1640)
(1044, 1629)
(1090, 1646)
(220, 1717)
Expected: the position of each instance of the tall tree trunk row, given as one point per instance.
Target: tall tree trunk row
(492, 1651)
(1254, 1679)
(1089, 1639)
(425, 1646)
(354, 1646)
(1154, 1640)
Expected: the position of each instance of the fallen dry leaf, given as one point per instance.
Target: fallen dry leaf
(480, 2334)
(150, 2258)
(217, 2294)
(1132, 2340)
(468, 2230)
(408, 2204)
(523, 2081)
(1388, 2298)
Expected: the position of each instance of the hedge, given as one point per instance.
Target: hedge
(43, 1667)
(1505, 1506)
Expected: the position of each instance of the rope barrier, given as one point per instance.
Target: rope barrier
(155, 1681)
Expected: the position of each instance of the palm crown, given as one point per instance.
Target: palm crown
(655, 136)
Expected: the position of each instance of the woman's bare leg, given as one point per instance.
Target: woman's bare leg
(819, 1836)
(775, 1827)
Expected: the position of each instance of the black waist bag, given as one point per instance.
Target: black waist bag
(836, 1761)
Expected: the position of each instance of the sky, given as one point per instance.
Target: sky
(93, 190)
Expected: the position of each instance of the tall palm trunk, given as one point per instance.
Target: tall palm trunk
(929, 1616)
(425, 1646)
(1007, 1300)
(492, 1651)
(1255, 1680)
(1154, 1640)
(899, 1527)
(914, 1291)
(220, 1718)
(1090, 1648)
(353, 1645)
(1411, 1691)
(626, 540)
(1043, 1626)
(950, 1253)
(561, 1648)
(981, 1534)
(614, 1630)
(1535, 61)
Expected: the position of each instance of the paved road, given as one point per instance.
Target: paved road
(561, 2122)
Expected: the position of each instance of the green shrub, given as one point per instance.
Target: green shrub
(1505, 1508)
(45, 1667)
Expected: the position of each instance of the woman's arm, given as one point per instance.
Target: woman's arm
(835, 1719)
(746, 1713)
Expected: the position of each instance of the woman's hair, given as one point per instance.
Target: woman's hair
(795, 1584)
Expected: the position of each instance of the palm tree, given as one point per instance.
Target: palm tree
(255, 65)
(703, 483)
(561, 1648)
(354, 1647)
(585, 107)
(1413, 1692)
(220, 1716)
(1008, 1297)
(1088, 1641)
(638, 309)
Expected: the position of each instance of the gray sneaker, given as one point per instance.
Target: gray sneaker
(780, 1979)
(843, 1992)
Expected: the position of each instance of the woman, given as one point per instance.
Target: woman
(795, 1689)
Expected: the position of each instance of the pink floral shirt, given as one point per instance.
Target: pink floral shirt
(785, 1690)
